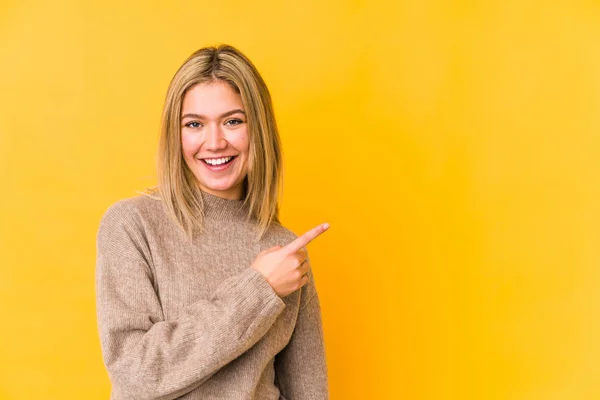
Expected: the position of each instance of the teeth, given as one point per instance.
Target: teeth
(217, 161)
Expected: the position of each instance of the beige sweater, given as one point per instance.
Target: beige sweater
(180, 320)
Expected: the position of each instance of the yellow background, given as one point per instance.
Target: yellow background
(452, 146)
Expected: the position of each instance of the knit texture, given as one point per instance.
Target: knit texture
(191, 320)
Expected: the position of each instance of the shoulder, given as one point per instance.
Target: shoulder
(281, 234)
(131, 209)
(123, 227)
(129, 214)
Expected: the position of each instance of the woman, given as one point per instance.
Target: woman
(201, 292)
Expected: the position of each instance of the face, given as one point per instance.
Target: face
(214, 128)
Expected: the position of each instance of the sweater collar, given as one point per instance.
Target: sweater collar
(219, 208)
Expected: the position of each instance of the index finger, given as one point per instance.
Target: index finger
(305, 239)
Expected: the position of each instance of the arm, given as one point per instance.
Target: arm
(148, 357)
(301, 367)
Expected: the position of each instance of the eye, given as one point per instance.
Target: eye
(234, 121)
(189, 124)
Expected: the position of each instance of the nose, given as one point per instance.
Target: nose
(214, 139)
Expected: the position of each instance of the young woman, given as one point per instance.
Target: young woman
(201, 292)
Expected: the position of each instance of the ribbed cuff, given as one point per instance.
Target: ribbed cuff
(256, 285)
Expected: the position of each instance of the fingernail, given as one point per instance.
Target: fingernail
(326, 225)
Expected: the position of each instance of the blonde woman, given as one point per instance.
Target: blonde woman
(201, 292)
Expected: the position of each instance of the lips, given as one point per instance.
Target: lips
(219, 167)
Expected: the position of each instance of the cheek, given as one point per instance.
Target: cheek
(189, 144)
(240, 142)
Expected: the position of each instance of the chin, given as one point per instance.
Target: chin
(220, 186)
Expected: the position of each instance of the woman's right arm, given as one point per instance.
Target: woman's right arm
(149, 357)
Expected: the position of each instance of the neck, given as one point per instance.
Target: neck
(220, 208)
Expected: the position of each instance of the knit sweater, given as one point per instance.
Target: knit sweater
(182, 319)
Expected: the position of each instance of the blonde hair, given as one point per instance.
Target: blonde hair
(176, 182)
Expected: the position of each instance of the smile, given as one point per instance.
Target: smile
(217, 161)
(218, 164)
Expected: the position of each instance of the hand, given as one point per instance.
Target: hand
(285, 267)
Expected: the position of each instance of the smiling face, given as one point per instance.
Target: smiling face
(214, 128)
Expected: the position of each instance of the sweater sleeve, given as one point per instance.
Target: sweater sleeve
(301, 367)
(148, 357)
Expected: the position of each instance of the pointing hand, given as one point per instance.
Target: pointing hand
(286, 267)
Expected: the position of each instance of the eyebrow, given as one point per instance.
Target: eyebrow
(200, 116)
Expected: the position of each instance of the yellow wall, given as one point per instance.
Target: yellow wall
(451, 145)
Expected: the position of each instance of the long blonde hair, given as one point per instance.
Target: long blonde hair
(264, 181)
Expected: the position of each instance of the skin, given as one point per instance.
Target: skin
(286, 267)
(218, 128)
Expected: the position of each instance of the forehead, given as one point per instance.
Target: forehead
(211, 98)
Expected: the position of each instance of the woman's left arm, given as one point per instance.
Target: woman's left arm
(301, 367)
